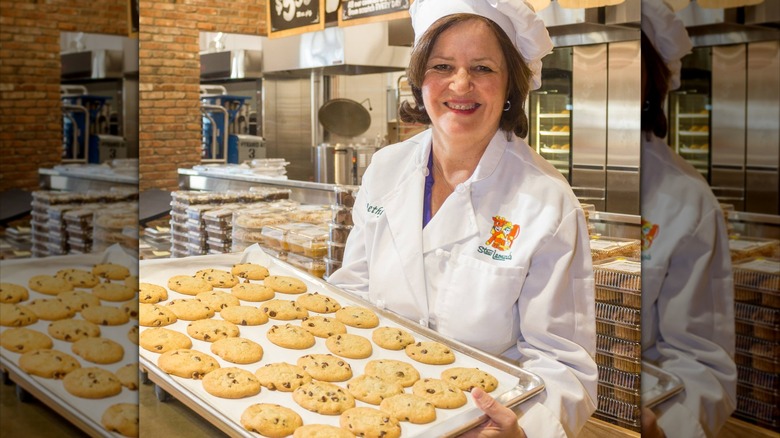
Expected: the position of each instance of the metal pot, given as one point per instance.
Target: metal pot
(333, 164)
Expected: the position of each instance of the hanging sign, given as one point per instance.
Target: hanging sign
(369, 11)
(293, 17)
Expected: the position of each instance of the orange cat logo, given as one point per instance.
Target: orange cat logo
(503, 234)
(649, 233)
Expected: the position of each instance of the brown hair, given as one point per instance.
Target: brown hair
(513, 120)
(656, 88)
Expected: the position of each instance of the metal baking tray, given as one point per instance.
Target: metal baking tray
(658, 385)
(515, 384)
(84, 413)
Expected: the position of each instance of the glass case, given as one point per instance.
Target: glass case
(689, 111)
(550, 111)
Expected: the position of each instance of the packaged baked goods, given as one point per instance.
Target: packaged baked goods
(314, 266)
(256, 218)
(341, 215)
(619, 412)
(626, 355)
(767, 381)
(308, 241)
(331, 266)
(757, 321)
(763, 414)
(270, 193)
(338, 233)
(757, 281)
(313, 214)
(275, 236)
(607, 247)
(742, 248)
(219, 217)
(336, 251)
(618, 281)
(218, 245)
(345, 195)
(620, 379)
(763, 355)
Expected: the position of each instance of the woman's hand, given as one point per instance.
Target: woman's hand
(650, 427)
(501, 422)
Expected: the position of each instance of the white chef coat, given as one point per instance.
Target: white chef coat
(529, 301)
(687, 292)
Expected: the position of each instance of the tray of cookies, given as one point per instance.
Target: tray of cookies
(244, 338)
(69, 333)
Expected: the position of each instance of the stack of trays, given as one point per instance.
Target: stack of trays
(757, 322)
(339, 227)
(618, 340)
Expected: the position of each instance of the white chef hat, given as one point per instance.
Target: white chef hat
(668, 35)
(518, 20)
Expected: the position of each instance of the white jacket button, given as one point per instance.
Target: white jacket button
(438, 252)
(460, 188)
(425, 171)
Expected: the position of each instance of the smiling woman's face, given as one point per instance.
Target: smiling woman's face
(466, 80)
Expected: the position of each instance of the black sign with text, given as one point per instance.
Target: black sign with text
(292, 14)
(354, 9)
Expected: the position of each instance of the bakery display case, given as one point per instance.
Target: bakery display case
(689, 130)
(550, 110)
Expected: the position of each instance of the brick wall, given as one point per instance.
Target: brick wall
(30, 115)
(169, 77)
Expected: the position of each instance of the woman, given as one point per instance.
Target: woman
(687, 289)
(467, 230)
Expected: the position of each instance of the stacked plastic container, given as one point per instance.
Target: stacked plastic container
(115, 225)
(61, 220)
(618, 340)
(339, 227)
(295, 234)
(602, 248)
(248, 225)
(757, 323)
(199, 220)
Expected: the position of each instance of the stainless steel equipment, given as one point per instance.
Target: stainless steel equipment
(585, 119)
(363, 155)
(724, 119)
(234, 64)
(339, 163)
(334, 164)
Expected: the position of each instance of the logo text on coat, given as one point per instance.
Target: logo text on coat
(502, 236)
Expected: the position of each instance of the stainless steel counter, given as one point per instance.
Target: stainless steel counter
(302, 191)
(81, 181)
(608, 224)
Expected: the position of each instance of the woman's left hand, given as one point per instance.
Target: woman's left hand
(501, 422)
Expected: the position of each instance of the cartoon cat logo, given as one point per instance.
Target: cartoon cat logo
(649, 233)
(503, 234)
